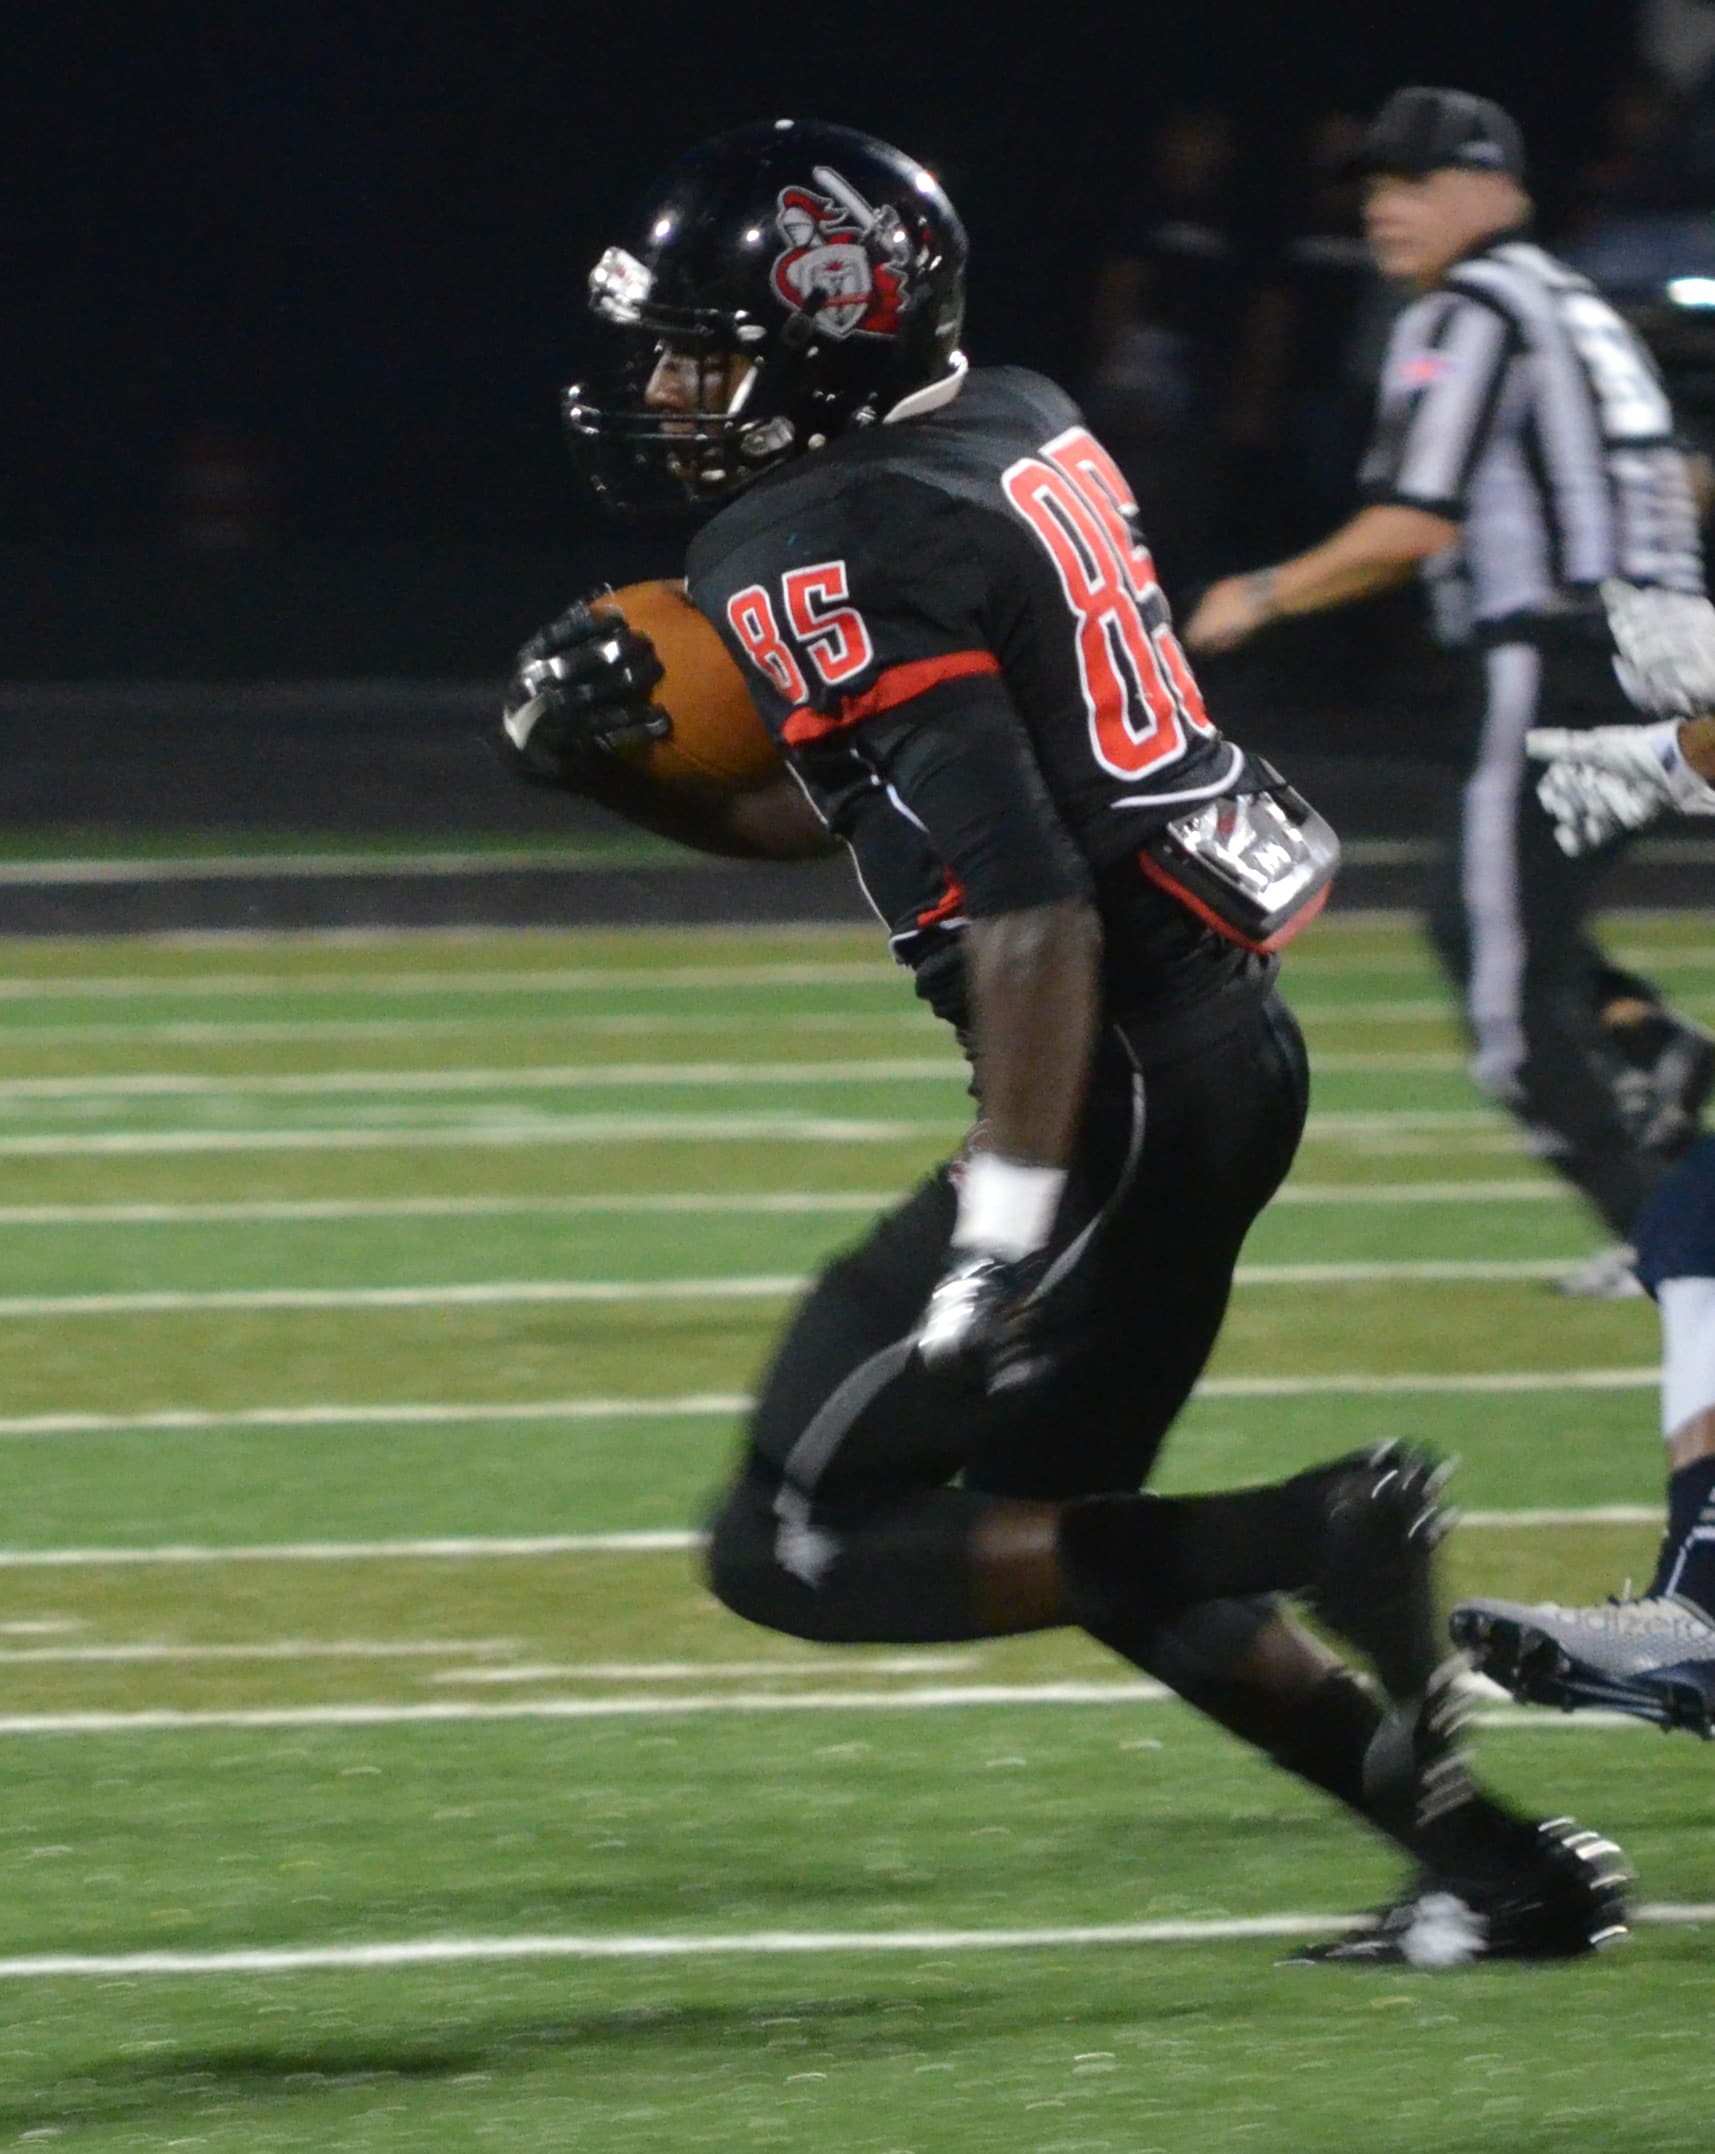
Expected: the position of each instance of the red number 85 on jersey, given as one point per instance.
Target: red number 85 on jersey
(1142, 698)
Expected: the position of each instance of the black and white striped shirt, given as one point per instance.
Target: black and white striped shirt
(1514, 400)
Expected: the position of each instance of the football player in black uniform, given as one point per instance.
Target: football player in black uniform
(933, 581)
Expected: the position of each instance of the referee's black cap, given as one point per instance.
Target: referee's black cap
(1428, 130)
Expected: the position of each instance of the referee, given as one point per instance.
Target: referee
(1523, 456)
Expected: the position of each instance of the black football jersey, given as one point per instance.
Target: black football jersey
(952, 628)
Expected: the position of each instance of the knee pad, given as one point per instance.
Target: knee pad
(1674, 1234)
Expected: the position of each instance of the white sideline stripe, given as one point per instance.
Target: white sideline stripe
(697, 1405)
(286, 1649)
(537, 1131)
(512, 1077)
(557, 980)
(503, 1293)
(747, 1944)
(664, 1540)
(918, 1698)
(332, 1210)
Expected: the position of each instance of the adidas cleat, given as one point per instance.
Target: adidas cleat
(1652, 1658)
(1567, 1896)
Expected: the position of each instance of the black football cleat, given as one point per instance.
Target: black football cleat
(1417, 1770)
(1375, 1585)
(1567, 1895)
(1653, 1658)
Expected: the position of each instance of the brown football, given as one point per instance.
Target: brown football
(718, 743)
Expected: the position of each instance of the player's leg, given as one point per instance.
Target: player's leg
(1221, 1132)
(1507, 925)
(843, 1526)
(1225, 1127)
(1653, 1656)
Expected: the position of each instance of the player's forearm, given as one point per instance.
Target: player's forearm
(774, 822)
(1034, 981)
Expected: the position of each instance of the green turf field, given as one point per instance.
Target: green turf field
(376, 1315)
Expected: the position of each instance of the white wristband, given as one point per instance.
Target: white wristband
(1006, 1207)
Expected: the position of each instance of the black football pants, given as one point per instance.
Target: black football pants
(863, 1475)
(1509, 925)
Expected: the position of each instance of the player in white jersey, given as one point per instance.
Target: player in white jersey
(1652, 1655)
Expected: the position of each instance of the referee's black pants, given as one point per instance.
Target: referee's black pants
(1509, 924)
(863, 1476)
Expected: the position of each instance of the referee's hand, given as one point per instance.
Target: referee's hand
(1229, 613)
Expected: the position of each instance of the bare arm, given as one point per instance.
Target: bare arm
(773, 822)
(1033, 978)
(1376, 550)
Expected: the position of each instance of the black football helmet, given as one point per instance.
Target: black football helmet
(832, 263)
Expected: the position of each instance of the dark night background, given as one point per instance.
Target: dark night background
(351, 242)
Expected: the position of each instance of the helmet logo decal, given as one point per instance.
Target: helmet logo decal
(845, 264)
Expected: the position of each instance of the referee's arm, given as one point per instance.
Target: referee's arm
(1440, 390)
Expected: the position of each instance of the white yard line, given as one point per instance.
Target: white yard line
(757, 1943)
(449, 1548)
(503, 1293)
(668, 1540)
(513, 1077)
(695, 1671)
(916, 1698)
(741, 1944)
(267, 867)
(515, 1133)
(172, 1421)
(1477, 1129)
(273, 1649)
(497, 1294)
(443, 1413)
(213, 1032)
(334, 1210)
(713, 979)
(567, 1076)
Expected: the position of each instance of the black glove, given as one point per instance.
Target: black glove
(579, 687)
(978, 1327)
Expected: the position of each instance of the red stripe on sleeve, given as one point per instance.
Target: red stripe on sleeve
(899, 684)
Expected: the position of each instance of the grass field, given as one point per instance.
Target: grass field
(375, 1317)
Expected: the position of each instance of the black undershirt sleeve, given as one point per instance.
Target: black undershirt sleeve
(958, 761)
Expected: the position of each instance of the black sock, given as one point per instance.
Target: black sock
(1129, 1554)
(1330, 1733)
(1686, 1565)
